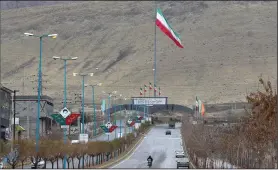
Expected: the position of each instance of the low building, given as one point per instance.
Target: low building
(5, 110)
(26, 107)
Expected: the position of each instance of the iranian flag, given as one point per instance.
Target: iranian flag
(141, 91)
(165, 27)
(159, 92)
(150, 86)
(197, 105)
(145, 88)
(154, 88)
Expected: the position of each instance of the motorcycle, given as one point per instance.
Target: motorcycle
(149, 163)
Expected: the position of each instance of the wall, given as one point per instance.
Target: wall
(28, 113)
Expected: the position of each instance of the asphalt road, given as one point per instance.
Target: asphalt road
(99, 138)
(161, 147)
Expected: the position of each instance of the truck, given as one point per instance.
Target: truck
(182, 159)
(172, 124)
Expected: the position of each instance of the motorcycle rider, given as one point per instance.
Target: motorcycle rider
(150, 159)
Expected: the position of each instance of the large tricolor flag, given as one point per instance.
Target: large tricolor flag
(145, 88)
(165, 27)
(141, 91)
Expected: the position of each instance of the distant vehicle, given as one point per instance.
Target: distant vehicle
(168, 132)
(39, 166)
(182, 159)
(172, 124)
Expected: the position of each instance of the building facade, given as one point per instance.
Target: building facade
(26, 107)
(5, 110)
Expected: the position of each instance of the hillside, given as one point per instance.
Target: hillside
(227, 45)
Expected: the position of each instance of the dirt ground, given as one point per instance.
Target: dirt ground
(227, 45)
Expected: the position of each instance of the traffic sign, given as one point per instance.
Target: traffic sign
(83, 137)
(65, 112)
(71, 118)
(108, 127)
(64, 126)
(59, 119)
(130, 123)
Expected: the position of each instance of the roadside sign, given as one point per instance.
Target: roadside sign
(64, 126)
(71, 118)
(16, 121)
(59, 119)
(83, 137)
(65, 112)
(108, 125)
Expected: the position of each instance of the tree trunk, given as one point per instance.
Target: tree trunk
(13, 165)
(22, 164)
(52, 164)
(93, 163)
(57, 163)
(78, 163)
(44, 166)
(72, 160)
(68, 164)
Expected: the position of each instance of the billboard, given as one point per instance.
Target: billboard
(149, 100)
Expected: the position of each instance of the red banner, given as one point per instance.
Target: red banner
(71, 118)
(112, 128)
(132, 123)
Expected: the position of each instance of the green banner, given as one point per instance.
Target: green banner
(59, 119)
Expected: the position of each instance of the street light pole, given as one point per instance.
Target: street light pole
(94, 105)
(83, 75)
(14, 118)
(65, 95)
(39, 85)
(108, 115)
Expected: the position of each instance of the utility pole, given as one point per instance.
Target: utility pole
(14, 118)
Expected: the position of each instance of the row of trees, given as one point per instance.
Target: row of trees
(247, 144)
(54, 150)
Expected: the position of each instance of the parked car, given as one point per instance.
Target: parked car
(168, 132)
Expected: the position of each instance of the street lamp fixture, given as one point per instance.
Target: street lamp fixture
(45, 35)
(64, 58)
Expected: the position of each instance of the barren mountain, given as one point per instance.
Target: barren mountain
(227, 46)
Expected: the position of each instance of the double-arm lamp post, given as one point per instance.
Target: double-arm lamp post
(94, 105)
(83, 75)
(65, 59)
(39, 84)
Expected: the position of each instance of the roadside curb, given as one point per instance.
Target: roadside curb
(125, 155)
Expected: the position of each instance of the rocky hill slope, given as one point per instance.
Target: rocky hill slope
(227, 45)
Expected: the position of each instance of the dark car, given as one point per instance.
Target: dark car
(168, 132)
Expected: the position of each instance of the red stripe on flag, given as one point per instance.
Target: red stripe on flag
(167, 32)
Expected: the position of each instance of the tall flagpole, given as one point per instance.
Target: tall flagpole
(154, 76)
